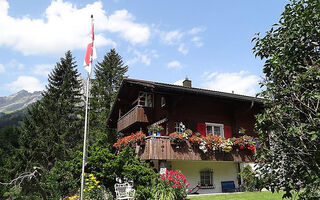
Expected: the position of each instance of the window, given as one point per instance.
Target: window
(206, 177)
(145, 99)
(179, 127)
(214, 128)
(163, 101)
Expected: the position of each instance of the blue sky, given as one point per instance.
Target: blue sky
(209, 41)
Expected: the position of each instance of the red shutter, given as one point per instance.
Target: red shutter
(201, 127)
(227, 131)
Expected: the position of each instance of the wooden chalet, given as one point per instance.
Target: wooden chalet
(141, 103)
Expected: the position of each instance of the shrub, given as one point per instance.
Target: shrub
(171, 185)
(252, 180)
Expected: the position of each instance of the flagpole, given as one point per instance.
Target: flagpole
(85, 139)
(86, 123)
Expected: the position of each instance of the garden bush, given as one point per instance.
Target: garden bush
(252, 181)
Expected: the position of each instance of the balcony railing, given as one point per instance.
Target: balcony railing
(137, 114)
(161, 148)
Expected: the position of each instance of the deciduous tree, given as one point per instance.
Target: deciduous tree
(290, 124)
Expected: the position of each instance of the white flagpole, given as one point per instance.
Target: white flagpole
(85, 126)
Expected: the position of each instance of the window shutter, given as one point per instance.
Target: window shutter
(227, 131)
(201, 128)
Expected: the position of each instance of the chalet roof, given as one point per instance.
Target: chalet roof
(193, 90)
(177, 89)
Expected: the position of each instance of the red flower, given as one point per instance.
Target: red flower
(130, 140)
(252, 148)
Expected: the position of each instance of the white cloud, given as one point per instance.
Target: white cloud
(2, 69)
(121, 21)
(65, 26)
(196, 30)
(43, 69)
(28, 83)
(182, 39)
(14, 64)
(183, 49)
(197, 41)
(142, 57)
(179, 82)
(171, 37)
(239, 82)
(175, 64)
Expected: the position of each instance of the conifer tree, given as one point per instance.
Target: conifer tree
(108, 76)
(53, 128)
(62, 100)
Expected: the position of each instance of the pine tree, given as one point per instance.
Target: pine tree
(108, 76)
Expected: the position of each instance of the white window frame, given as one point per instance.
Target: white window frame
(146, 94)
(179, 127)
(217, 125)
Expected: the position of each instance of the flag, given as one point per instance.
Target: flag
(90, 52)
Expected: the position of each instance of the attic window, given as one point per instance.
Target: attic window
(145, 99)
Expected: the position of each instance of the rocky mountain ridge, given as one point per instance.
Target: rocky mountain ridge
(18, 101)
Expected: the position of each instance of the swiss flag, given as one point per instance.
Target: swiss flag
(90, 52)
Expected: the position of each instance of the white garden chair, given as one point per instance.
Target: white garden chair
(124, 191)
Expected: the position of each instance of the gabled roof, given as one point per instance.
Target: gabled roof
(177, 89)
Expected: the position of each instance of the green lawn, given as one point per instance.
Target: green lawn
(241, 196)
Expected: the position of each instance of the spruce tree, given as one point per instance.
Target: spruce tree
(53, 128)
(108, 76)
(63, 102)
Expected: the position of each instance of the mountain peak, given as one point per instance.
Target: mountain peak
(22, 92)
(18, 101)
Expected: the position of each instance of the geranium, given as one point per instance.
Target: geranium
(252, 148)
(130, 140)
(195, 139)
(177, 181)
(178, 137)
(213, 141)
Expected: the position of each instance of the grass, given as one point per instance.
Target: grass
(241, 196)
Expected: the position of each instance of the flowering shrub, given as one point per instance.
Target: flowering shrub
(171, 185)
(92, 189)
(130, 140)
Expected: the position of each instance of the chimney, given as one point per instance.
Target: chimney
(187, 83)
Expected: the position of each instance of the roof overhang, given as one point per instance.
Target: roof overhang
(132, 86)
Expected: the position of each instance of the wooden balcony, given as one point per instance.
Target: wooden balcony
(136, 115)
(161, 149)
